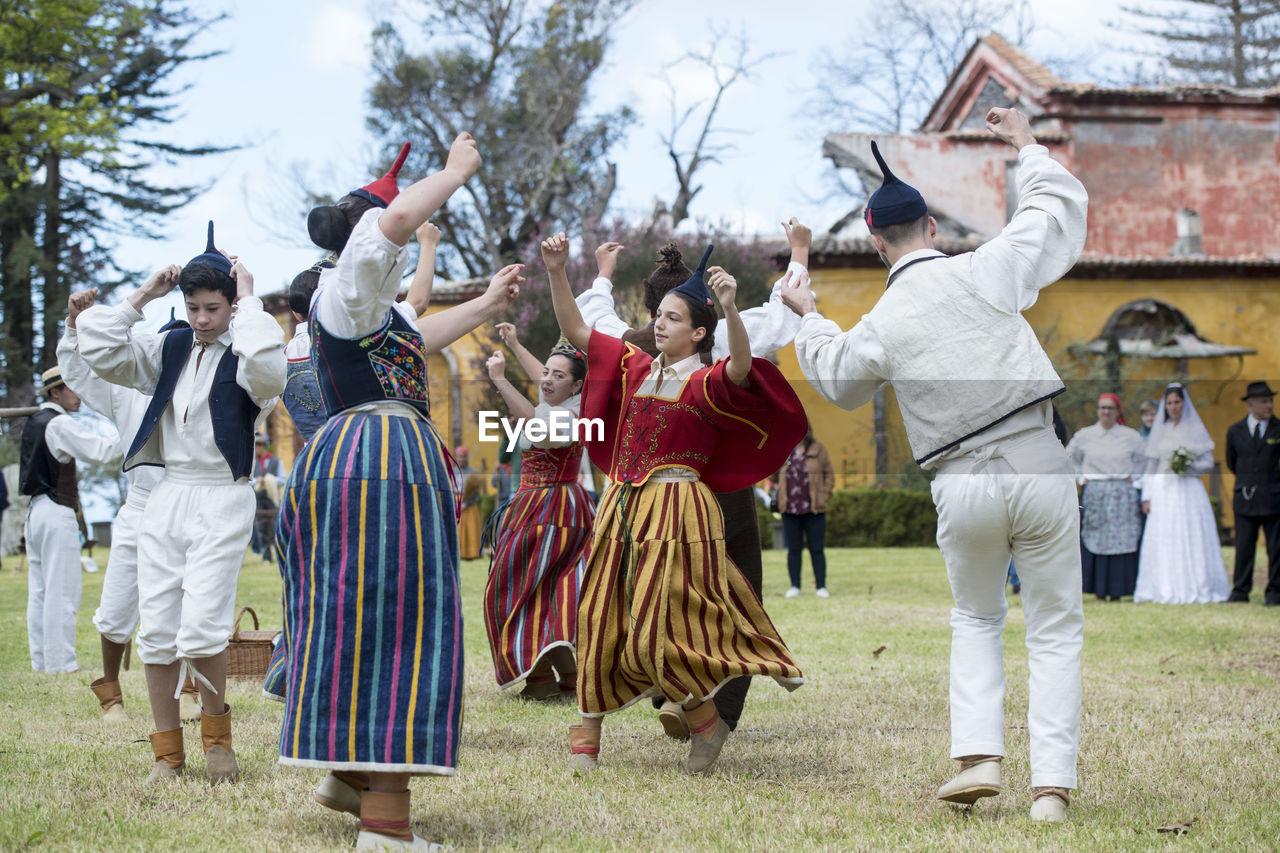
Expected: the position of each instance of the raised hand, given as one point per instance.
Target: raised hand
(607, 259)
(800, 236)
(497, 366)
(160, 282)
(428, 235)
(797, 294)
(504, 287)
(464, 157)
(724, 286)
(78, 302)
(507, 332)
(243, 279)
(555, 252)
(1011, 126)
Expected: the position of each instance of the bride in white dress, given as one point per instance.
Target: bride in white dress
(1181, 557)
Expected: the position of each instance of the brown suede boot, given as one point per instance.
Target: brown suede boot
(220, 760)
(584, 744)
(384, 821)
(170, 759)
(110, 698)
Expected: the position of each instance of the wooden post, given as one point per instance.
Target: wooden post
(23, 412)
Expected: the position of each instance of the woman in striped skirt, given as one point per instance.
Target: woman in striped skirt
(542, 534)
(368, 526)
(662, 610)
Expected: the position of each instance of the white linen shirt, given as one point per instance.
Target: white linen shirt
(1118, 453)
(1040, 243)
(123, 406)
(186, 442)
(352, 298)
(68, 439)
(665, 381)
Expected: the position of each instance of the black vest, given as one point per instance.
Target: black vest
(231, 409)
(389, 364)
(39, 472)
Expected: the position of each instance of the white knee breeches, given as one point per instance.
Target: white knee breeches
(190, 550)
(117, 613)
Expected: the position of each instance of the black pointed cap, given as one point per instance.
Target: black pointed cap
(174, 322)
(212, 256)
(896, 201)
(696, 287)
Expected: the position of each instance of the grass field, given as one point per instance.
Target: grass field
(1181, 725)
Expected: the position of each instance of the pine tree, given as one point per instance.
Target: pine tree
(83, 81)
(1227, 42)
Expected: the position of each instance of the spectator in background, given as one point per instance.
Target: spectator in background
(470, 484)
(1181, 556)
(501, 479)
(1253, 455)
(1147, 411)
(804, 488)
(268, 480)
(1109, 458)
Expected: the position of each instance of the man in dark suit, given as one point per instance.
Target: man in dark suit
(1253, 455)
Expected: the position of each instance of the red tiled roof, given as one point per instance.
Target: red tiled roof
(1036, 73)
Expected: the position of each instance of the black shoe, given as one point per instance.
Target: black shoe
(1238, 597)
(1271, 602)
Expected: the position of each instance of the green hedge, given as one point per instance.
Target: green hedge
(886, 518)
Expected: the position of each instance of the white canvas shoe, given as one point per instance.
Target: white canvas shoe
(969, 786)
(1049, 809)
(822, 593)
(793, 592)
(373, 841)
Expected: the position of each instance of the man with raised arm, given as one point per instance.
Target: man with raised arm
(974, 386)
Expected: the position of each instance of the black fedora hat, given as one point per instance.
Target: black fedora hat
(1258, 389)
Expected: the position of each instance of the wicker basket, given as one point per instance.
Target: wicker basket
(249, 652)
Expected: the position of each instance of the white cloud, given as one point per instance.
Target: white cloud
(337, 39)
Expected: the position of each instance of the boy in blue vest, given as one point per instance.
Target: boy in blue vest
(211, 385)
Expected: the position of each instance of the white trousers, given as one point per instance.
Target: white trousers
(190, 550)
(53, 585)
(983, 520)
(117, 613)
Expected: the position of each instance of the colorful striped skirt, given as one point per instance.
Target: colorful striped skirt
(368, 538)
(662, 609)
(531, 600)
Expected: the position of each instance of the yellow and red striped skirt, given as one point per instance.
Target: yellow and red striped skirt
(662, 609)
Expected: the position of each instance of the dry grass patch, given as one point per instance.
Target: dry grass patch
(1182, 724)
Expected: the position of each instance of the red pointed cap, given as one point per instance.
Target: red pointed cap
(383, 190)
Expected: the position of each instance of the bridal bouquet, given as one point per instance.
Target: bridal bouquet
(1181, 460)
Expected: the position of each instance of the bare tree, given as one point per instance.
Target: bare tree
(516, 74)
(887, 79)
(703, 149)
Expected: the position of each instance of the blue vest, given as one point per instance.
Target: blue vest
(231, 409)
(389, 364)
(302, 398)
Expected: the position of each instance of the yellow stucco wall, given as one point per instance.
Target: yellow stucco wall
(1240, 312)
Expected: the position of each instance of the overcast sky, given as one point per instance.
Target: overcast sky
(291, 90)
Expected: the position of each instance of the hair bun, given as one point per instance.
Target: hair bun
(669, 258)
(328, 228)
